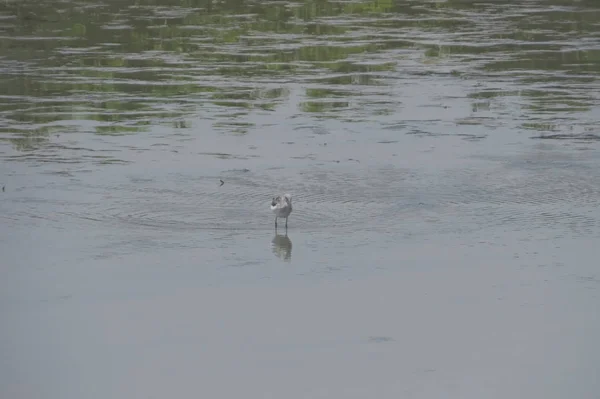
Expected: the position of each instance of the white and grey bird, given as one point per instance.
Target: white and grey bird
(282, 207)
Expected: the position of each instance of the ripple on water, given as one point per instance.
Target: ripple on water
(348, 61)
(542, 189)
(424, 70)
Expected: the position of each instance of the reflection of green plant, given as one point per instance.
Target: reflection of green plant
(322, 106)
(118, 130)
(33, 138)
(231, 126)
(28, 143)
(578, 60)
(492, 94)
(161, 60)
(322, 93)
(540, 126)
(78, 30)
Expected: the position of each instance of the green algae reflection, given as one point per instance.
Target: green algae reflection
(123, 66)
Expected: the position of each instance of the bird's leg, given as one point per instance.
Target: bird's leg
(276, 222)
(286, 223)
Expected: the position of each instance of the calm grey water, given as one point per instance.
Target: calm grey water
(443, 160)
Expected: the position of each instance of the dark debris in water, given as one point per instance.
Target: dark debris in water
(223, 155)
(562, 136)
(423, 133)
(472, 137)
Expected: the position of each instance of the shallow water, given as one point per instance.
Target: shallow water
(443, 160)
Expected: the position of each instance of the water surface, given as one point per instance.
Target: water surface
(443, 161)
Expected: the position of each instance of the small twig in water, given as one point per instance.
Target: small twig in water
(222, 182)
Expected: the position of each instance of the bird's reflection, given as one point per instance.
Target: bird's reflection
(282, 246)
